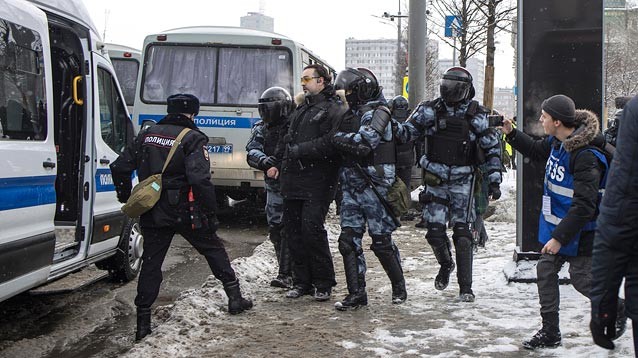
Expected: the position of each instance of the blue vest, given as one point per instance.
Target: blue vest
(558, 191)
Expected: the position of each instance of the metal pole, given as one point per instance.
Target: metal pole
(417, 49)
(398, 70)
(454, 53)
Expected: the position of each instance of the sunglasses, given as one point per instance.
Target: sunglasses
(306, 79)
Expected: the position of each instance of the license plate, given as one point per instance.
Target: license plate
(220, 149)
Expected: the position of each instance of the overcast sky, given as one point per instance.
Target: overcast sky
(323, 29)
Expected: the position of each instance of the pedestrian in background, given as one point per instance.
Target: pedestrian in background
(187, 171)
(615, 254)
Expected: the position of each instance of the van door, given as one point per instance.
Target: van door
(113, 131)
(28, 162)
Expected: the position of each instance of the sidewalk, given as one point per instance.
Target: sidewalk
(430, 323)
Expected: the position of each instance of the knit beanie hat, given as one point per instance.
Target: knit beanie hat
(561, 108)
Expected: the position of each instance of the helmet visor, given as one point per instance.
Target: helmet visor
(269, 111)
(453, 91)
(345, 80)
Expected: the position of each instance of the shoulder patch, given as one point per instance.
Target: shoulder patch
(206, 153)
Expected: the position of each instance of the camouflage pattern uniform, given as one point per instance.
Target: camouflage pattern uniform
(449, 200)
(262, 143)
(361, 206)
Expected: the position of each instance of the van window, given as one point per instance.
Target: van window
(216, 75)
(126, 72)
(115, 126)
(23, 114)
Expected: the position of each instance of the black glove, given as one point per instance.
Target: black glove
(268, 162)
(293, 151)
(123, 192)
(494, 191)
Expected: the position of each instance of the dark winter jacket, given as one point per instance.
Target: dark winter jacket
(188, 168)
(619, 207)
(310, 163)
(263, 143)
(587, 171)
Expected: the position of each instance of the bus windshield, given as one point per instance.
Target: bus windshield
(126, 71)
(216, 75)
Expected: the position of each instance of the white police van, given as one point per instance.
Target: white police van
(63, 120)
(126, 62)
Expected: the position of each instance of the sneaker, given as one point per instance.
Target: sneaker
(282, 282)
(544, 338)
(443, 278)
(322, 294)
(352, 301)
(298, 291)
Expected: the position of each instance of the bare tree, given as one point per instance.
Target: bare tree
(621, 64)
(499, 15)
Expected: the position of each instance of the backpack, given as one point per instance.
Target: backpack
(147, 192)
(607, 150)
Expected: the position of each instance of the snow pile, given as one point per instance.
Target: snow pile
(429, 323)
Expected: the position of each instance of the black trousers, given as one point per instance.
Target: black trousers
(308, 242)
(405, 173)
(156, 244)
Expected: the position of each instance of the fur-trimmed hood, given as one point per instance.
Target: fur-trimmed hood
(586, 133)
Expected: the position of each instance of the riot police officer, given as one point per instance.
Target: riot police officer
(400, 109)
(275, 105)
(455, 129)
(188, 171)
(366, 140)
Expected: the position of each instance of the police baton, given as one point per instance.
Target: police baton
(384, 203)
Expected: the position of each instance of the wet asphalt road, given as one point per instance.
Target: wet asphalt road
(99, 320)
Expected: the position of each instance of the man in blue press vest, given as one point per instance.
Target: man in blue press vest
(575, 176)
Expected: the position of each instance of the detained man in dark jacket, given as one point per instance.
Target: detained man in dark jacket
(308, 182)
(188, 170)
(615, 254)
(574, 180)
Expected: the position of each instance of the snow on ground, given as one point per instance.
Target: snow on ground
(430, 323)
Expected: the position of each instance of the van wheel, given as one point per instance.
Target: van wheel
(125, 264)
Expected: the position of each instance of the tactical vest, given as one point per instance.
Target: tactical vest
(450, 144)
(272, 133)
(384, 153)
(558, 192)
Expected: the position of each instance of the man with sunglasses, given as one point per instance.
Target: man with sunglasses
(308, 182)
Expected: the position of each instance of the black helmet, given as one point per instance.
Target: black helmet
(360, 85)
(182, 103)
(400, 107)
(274, 104)
(456, 85)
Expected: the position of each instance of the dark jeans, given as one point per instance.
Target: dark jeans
(308, 242)
(156, 244)
(547, 273)
(405, 173)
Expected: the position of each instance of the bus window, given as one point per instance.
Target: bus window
(180, 69)
(126, 70)
(245, 73)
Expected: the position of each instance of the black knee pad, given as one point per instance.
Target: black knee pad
(461, 230)
(346, 242)
(436, 235)
(381, 243)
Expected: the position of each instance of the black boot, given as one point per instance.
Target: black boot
(282, 252)
(441, 248)
(236, 303)
(143, 323)
(621, 319)
(357, 295)
(389, 259)
(548, 336)
(464, 256)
